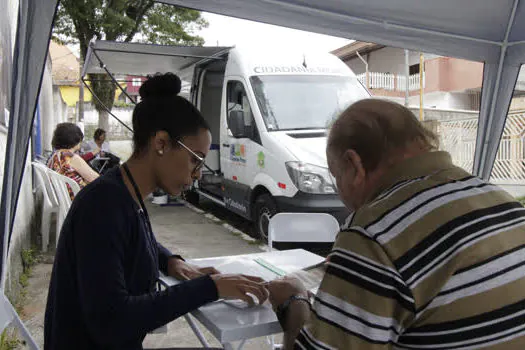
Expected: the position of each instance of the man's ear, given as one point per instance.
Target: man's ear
(353, 159)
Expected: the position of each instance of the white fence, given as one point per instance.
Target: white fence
(458, 137)
(391, 82)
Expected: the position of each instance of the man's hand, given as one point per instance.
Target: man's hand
(282, 289)
(297, 313)
(181, 270)
(238, 287)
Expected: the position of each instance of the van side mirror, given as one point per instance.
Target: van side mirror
(236, 124)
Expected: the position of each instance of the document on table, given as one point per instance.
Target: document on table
(259, 267)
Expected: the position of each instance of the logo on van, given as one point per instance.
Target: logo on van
(231, 203)
(296, 69)
(238, 153)
(260, 159)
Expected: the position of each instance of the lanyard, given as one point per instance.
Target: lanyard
(146, 216)
(137, 193)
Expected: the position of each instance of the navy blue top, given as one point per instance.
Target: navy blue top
(103, 286)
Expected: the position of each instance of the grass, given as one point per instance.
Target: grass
(521, 200)
(8, 338)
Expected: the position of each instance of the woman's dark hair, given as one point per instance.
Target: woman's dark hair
(99, 133)
(66, 136)
(162, 110)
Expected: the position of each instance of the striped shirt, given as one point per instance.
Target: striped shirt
(435, 261)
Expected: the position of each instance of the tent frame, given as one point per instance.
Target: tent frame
(502, 57)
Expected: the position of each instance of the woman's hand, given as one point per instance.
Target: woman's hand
(181, 270)
(240, 287)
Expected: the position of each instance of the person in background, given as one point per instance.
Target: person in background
(99, 148)
(65, 160)
(103, 292)
(89, 156)
(433, 257)
(98, 142)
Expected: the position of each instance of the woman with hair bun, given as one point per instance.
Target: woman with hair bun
(103, 292)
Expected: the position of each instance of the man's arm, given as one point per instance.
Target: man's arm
(362, 303)
(297, 316)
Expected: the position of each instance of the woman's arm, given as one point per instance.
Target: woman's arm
(83, 168)
(103, 245)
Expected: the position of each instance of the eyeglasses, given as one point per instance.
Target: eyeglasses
(200, 160)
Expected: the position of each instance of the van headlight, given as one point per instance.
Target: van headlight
(310, 178)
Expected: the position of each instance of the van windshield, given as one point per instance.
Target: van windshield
(299, 102)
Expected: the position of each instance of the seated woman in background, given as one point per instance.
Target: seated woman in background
(66, 142)
(99, 147)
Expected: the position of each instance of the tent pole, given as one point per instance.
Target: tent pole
(421, 87)
(503, 52)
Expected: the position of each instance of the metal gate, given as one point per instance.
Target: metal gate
(458, 137)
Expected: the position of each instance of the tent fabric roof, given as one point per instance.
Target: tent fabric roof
(471, 29)
(143, 59)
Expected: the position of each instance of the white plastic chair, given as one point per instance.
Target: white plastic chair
(9, 317)
(60, 183)
(302, 228)
(50, 204)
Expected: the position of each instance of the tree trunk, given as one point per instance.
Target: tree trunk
(103, 120)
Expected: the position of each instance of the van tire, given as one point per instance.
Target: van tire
(265, 208)
(192, 197)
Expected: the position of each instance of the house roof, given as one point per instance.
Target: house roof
(65, 65)
(349, 51)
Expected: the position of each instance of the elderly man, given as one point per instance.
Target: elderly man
(433, 258)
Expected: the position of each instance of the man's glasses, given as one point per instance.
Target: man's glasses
(200, 160)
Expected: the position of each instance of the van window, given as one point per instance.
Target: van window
(292, 102)
(238, 101)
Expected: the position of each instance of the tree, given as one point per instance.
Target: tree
(78, 21)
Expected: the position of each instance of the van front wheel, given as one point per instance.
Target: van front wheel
(265, 208)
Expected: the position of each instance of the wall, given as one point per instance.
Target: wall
(53, 109)
(444, 114)
(70, 94)
(116, 131)
(23, 225)
(386, 60)
(452, 74)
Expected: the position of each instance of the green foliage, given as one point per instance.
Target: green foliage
(78, 22)
(8, 338)
(9, 341)
(521, 200)
(28, 259)
(123, 104)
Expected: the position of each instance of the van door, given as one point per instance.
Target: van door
(241, 144)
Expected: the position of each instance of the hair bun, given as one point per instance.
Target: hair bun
(160, 85)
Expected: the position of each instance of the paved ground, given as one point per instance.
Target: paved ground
(184, 231)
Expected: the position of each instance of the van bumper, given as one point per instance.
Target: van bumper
(314, 203)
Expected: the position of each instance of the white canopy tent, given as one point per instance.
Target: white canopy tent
(489, 31)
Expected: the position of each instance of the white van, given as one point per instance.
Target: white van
(269, 113)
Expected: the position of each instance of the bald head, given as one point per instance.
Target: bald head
(366, 140)
(378, 130)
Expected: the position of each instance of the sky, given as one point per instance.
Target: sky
(229, 31)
